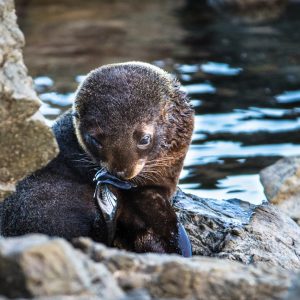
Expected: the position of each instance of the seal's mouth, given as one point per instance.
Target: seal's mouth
(104, 177)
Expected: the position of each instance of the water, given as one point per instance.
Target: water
(243, 81)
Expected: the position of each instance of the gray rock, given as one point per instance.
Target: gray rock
(240, 231)
(261, 237)
(50, 268)
(294, 291)
(174, 277)
(36, 265)
(281, 182)
(26, 142)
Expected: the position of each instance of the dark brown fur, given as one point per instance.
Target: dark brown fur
(116, 105)
(144, 95)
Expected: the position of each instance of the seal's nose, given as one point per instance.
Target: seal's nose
(129, 173)
(137, 168)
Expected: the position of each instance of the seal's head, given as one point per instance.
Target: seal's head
(131, 114)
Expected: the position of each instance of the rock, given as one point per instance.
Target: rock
(26, 142)
(49, 268)
(174, 277)
(238, 230)
(40, 266)
(294, 291)
(281, 182)
(265, 240)
(249, 11)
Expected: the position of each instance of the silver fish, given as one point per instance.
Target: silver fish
(107, 200)
(108, 204)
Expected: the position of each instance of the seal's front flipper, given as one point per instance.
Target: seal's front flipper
(184, 243)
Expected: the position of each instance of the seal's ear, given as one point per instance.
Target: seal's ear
(75, 114)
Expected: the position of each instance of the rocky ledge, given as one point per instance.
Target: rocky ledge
(26, 142)
(254, 254)
(240, 231)
(281, 183)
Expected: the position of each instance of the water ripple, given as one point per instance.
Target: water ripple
(288, 97)
(220, 69)
(58, 99)
(199, 88)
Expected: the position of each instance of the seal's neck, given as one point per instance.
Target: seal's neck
(71, 152)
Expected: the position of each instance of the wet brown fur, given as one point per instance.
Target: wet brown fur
(114, 104)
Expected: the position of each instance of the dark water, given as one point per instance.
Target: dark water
(244, 81)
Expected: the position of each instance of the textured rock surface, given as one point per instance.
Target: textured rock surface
(260, 236)
(294, 291)
(170, 276)
(281, 183)
(47, 268)
(263, 238)
(37, 266)
(26, 143)
(240, 231)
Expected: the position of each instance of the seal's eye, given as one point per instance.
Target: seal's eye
(144, 141)
(93, 141)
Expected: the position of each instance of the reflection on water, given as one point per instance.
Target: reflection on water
(213, 68)
(230, 187)
(244, 82)
(289, 97)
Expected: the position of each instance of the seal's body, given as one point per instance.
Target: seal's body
(133, 120)
(56, 200)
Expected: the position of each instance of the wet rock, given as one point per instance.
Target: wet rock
(249, 11)
(26, 143)
(294, 291)
(265, 240)
(174, 277)
(36, 265)
(281, 182)
(238, 230)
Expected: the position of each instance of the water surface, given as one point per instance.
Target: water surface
(244, 81)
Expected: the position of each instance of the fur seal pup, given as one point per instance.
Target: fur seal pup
(133, 120)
